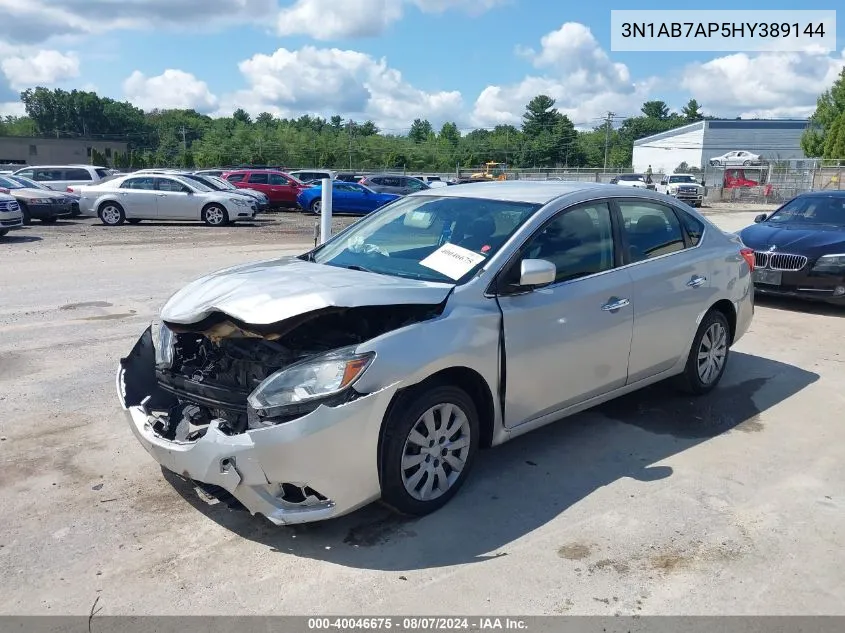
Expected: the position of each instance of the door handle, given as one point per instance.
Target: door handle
(160, 195)
(696, 281)
(615, 304)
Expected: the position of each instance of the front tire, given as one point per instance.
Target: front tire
(747, 163)
(3, 232)
(215, 215)
(715, 163)
(708, 355)
(111, 214)
(27, 218)
(316, 207)
(430, 440)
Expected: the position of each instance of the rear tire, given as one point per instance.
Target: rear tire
(746, 163)
(111, 214)
(422, 449)
(708, 355)
(316, 207)
(51, 220)
(3, 232)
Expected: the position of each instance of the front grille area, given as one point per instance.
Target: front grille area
(11, 205)
(779, 261)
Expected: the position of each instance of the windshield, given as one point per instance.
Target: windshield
(27, 182)
(8, 183)
(224, 184)
(688, 179)
(199, 186)
(432, 238)
(805, 210)
(202, 181)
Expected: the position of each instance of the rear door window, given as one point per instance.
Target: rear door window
(73, 173)
(258, 179)
(275, 179)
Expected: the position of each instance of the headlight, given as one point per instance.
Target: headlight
(301, 387)
(241, 202)
(830, 263)
(673, 189)
(40, 201)
(164, 346)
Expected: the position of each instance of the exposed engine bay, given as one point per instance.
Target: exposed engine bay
(219, 361)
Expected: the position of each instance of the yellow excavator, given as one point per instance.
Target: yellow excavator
(489, 171)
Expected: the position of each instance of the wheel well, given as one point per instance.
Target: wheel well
(727, 308)
(105, 202)
(215, 204)
(463, 377)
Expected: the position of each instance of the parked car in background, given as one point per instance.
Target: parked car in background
(280, 188)
(312, 174)
(10, 214)
(210, 172)
(431, 181)
(135, 198)
(347, 197)
(262, 202)
(383, 348)
(349, 177)
(799, 249)
(632, 180)
(28, 182)
(45, 205)
(391, 183)
(683, 187)
(739, 157)
(60, 177)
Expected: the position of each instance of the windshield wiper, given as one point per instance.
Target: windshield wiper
(361, 268)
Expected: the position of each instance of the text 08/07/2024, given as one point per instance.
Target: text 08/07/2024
(721, 30)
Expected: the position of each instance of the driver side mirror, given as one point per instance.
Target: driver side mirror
(536, 272)
(760, 218)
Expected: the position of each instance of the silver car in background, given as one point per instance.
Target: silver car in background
(377, 364)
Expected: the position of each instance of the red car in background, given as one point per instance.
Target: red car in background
(281, 189)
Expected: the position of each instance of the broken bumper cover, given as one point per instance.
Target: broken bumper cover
(333, 450)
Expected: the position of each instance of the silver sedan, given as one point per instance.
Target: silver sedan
(377, 364)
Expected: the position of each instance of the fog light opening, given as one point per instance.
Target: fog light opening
(839, 291)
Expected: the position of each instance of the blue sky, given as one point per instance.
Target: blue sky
(473, 61)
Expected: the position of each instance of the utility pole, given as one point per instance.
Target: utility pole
(610, 116)
(349, 134)
(184, 139)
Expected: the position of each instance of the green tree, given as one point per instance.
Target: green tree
(829, 106)
(420, 130)
(656, 110)
(242, 116)
(691, 112)
(834, 146)
(97, 158)
(450, 134)
(540, 115)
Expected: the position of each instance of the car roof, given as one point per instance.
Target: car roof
(536, 191)
(832, 193)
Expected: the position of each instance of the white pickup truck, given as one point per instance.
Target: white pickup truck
(683, 187)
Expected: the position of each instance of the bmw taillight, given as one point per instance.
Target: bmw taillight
(748, 256)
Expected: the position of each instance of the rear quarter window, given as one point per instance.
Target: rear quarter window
(693, 226)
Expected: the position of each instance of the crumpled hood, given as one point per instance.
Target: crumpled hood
(271, 291)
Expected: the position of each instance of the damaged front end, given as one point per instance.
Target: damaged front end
(267, 413)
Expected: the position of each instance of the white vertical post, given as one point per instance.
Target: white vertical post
(326, 210)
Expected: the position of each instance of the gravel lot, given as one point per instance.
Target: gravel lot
(652, 504)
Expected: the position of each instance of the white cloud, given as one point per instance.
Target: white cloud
(579, 75)
(12, 108)
(333, 19)
(35, 21)
(764, 85)
(171, 89)
(329, 81)
(43, 68)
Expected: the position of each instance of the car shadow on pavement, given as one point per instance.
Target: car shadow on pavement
(12, 238)
(799, 305)
(520, 486)
(199, 225)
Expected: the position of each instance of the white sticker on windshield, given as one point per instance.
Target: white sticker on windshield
(452, 260)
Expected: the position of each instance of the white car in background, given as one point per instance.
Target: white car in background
(161, 197)
(632, 180)
(10, 214)
(60, 177)
(739, 157)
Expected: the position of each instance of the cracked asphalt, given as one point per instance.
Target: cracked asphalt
(651, 504)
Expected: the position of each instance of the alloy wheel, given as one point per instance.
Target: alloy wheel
(110, 214)
(712, 353)
(435, 451)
